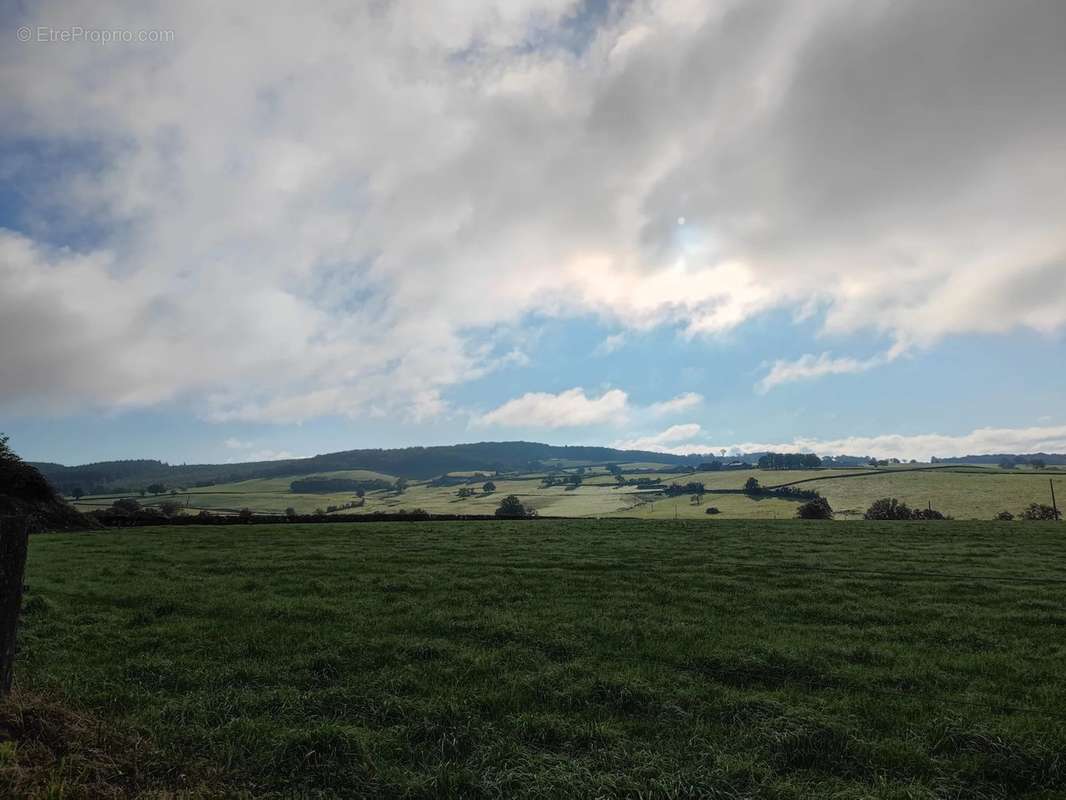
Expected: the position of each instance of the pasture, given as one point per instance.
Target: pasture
(959, 491)
(561, 658)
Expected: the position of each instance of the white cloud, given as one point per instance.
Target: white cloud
(271, 455)
(683, 402)
(233, 443)
(572, 408)
(679, 439)
(922, 446)
(271, 236)
(610, 344)
(809, 367)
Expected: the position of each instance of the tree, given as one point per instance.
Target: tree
(401, 485)
(489, 487)
(751, 485)
(245, 515)
(127, 505)
(1037, 463)
(156, 488)
(465, 492)
(511, 506)
(77, 493)
(818, 508)
(170, 508)
(360, 493)
(290, 512)
(1040, 511)
(889, 508)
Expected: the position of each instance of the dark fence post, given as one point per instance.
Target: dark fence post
(14, 538)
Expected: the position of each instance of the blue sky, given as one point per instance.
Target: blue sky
(666, 225)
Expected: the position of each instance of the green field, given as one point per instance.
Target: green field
(612, 658)
(958, 491)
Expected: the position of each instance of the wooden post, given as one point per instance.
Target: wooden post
(1051, 483)
(14, 538)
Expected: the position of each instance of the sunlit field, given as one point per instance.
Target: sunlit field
(961, 492)
(613, 658)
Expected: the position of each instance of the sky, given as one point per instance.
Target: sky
(236, 232)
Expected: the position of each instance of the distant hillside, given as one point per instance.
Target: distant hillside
(996, 458)
(408, 462)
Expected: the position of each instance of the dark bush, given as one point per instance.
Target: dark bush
(127, 505)
(712, 510)
(818, 508)
(888, 508)
(1040, 511)
(511, 506)
(1004, 516)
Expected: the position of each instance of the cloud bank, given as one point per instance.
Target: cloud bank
(284, 215)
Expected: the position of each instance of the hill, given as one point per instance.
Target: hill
(408, 462)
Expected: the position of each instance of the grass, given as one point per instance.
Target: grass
(612, 658)
(964, 492)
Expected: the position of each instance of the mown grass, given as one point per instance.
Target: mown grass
(569, 658)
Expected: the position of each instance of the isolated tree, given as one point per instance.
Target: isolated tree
(511, 506)
(360, 493)
(290, 512)
(401, 485)
(751, 485)
(818, 508)
(465, 492)
(489, 487)
(77, 493)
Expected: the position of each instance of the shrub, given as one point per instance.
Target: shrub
(818, 508)
(751, 485)
(127, 505)
(1040, 511)
(712, 510)
(245, 514)
(888, 508)
(170, 508)
(290, 512)
(1004, 516)
(511, 506)
(489, 487)
(891, 508)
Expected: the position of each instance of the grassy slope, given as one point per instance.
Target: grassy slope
(565, 658)
(966, 493)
